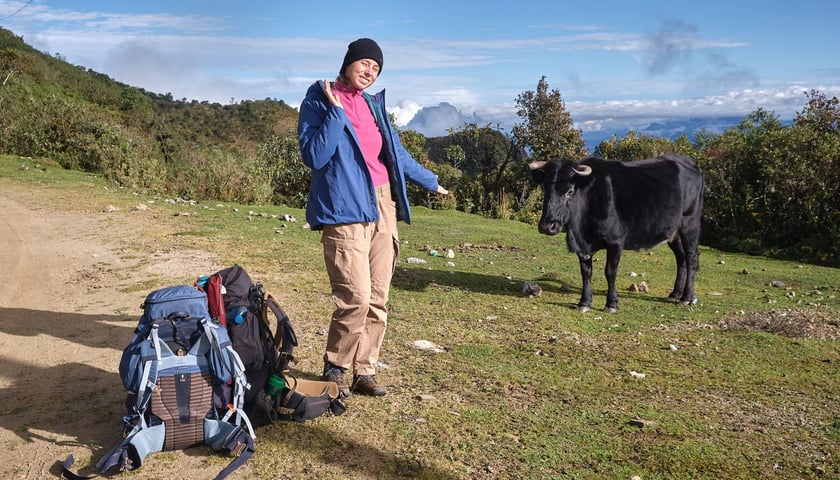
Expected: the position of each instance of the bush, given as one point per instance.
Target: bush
(279, 162)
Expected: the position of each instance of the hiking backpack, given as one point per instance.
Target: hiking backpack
(246, 309)
(242, 306)
(186, 385)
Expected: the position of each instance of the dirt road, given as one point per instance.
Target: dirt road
(66, 312)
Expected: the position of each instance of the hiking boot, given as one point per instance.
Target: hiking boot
(336, 374)
(366, 385)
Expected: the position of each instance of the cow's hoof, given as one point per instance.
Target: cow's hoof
(583, 308)
(610, 310)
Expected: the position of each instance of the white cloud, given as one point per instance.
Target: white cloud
(197, 57)
(404, 111)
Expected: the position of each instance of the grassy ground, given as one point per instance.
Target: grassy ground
(742, 385)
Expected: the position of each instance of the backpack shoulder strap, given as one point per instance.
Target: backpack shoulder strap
(285, 339)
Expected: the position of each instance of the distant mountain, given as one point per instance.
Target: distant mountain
(436, 121)
(669, 128)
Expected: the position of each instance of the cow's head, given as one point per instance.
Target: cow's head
(559, 178)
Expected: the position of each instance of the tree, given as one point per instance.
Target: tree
(547, 129)
(633, 146)
(772, 189)
(821, 113)
(488, 159)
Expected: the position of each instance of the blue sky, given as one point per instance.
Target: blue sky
(615, 63)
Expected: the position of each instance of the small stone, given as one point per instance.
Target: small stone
(428, 346)
(641, 423)
(531, 289)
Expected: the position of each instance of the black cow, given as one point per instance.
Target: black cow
(606, 204)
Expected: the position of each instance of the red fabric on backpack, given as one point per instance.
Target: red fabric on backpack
(215, 303)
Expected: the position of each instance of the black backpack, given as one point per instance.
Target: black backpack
(244, 310)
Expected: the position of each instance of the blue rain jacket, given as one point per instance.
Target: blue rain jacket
(341, 190)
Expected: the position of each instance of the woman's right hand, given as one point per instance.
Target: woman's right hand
(332, 98)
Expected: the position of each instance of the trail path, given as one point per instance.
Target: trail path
(65, 315)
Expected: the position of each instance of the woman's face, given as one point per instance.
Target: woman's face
(362, 73)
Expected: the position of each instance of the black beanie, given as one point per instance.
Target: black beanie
(362, 48)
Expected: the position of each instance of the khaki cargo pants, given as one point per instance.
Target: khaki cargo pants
(360, 260)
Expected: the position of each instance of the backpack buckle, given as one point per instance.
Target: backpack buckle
(238, 449)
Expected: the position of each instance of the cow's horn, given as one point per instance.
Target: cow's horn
(583, 170)
(537, 165)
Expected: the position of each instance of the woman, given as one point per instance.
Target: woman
(356, 196)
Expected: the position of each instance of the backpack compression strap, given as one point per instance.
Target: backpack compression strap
(233, 364)
(241, 444)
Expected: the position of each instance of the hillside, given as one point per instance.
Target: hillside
(84, 119)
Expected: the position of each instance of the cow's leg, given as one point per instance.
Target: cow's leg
(682, 269)
(586, 278)
(611, 272)
(691, 244)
